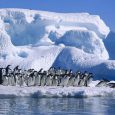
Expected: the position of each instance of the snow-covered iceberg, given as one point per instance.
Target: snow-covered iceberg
(38, 39)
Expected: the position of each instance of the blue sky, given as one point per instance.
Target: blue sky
(104, 8)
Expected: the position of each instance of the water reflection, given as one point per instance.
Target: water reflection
(57, 106)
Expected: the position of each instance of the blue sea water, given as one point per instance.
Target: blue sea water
(58, 106)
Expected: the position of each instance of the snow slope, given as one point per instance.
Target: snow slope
(38, 39)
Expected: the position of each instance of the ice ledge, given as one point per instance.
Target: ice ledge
(38, 92)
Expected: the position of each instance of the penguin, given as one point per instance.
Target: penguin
(1, 75)
(55, 80)
(111, 85)
(65, 79)
(89, 79)
(16, 69)
(71, 80)
(102, 83)
(49, 80)
(84, 79)
(43, 78)
(52, 71)
(38, 79)
(31, 79)
(21, 80)
(5, 80)
(77, 79)
(12, 80)
(35, 73)
(8, 70)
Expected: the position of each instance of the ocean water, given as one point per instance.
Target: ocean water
(58, 106)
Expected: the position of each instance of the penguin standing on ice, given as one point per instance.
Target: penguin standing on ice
(21, 80)
(12, 80)
(49, 80)
(55, 80)
(38, 77)
(77, 79)
(65, 79)
(43, 78)
(31, 79)
(17, 82)
(71, 80)
(5, 80)
(89, 79)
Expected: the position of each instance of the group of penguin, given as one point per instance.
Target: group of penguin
(51, 77)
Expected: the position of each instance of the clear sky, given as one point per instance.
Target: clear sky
(104, 8)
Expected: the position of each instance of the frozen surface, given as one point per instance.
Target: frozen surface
(11, 91)
(38, 39)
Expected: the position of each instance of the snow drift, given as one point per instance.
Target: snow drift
(37, 39)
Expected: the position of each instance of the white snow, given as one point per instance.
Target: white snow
(38, 39)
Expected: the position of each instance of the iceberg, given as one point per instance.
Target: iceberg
(40, 39)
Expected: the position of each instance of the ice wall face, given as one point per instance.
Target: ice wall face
(6, 47)
(77, 39)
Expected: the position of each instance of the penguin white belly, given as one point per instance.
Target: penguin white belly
(9, 81)
(82, 82)
(43, 80)
(17, 80)
(76, 82)
(55, 82)
(21, 81)
(64, 81)
(13, 83)
(49, 81)
(30, 81)
(89, 81)
(37, 80)
(71, 81)
(5, 81)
